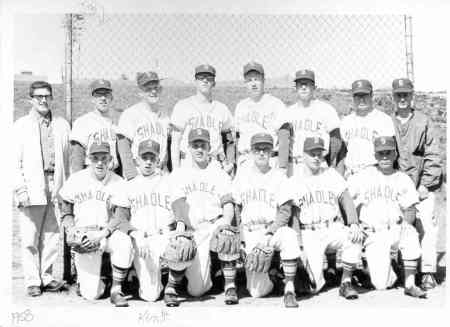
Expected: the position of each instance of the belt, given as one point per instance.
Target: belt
(49, 172)
(373, 229)
(255, 227)
(318, 225)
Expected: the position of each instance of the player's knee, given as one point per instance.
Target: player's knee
(198, 290)
(92, 293)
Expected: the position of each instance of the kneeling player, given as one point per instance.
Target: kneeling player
(264, 221)
(386, 199)
(85, 209)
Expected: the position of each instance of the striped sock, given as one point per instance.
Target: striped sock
(347, 271)
(229, 274)
(290, 269)
(118, 276)
(410, 267)
(175, 278)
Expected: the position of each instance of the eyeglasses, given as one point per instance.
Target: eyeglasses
(258, 149)
(202, 146)
(102, 94)
(41, 97)
(99, 158)
(207, 78)
(401, 95)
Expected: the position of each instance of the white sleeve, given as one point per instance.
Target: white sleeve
(119, 194)
(228, 119)
(338, 182)
(236, 189)
(225, 188)
(236, 117)
(353, 187)
(68, 190)
(175, 183)
(286, 191)
(408, 193)
(78, 133)
(125, 125)
(179, 116)
(333, 120)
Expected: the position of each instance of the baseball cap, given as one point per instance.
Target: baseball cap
(313, 143)
(205, 69)
(383, 143)
(148, 146)
(361, 86)
(305, 74)
(402, 85)
(99, 147)
(100, 84)
(147, 77)
(261, 138)
(253, 66)
(198, 134)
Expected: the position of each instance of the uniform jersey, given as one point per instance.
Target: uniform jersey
(382, 196)
(139, 123)
(190, 114)
(91, 128)
(318, 119)
(359, 133)
(90, 196)
(148, 199)
(258, 193)
(204, 190)
(252, 117)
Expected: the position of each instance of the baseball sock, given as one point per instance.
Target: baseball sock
(175, 278)
(347, 271)
(118, 276)
(410, 267)
(290, 269)
(229, 273)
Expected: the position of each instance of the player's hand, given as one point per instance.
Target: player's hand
(23, 200)
(95, 237)
(356, 234)
(423, 192)
(181, 227)
(227, 167)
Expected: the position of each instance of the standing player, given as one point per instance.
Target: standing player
(264, 219)
(419, 158)
(201, 111)
(310, 117)
(361, 127)
(85, 204)
(256, 114)
(319, 225)
(202, 201)
(145, 202)
(144, 120)
(386, 199)
(94, 127)
(41, 165)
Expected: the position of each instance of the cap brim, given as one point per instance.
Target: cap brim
(107, 152)
(262, 142)
(361, 91)
(198, 139)
(305, 78)
(148, 151)
(383, 148)
(253, 70)
(209, 73)
(314, 148)
(402, 90)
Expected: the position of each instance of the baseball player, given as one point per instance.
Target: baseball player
(419, 158)
(361, 127)
(85, 204)
(386, 199)
(141, 121)
(318, 223)
(310, 117)
(201, 202)
(264, 218)
(94, 126)
(145, 202)
(201, 111)
(256, 114)
(41, 165)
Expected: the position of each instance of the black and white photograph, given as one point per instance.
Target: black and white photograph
(199, 163)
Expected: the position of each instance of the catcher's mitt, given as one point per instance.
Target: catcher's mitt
(78, 239)
(226, 241)
(259, 259)
(180, 251)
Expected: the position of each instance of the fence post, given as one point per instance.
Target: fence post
(68, 68)
(409, 48)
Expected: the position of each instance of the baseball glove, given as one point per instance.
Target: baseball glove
(259, 259)
(180, 251)
(78, 239)
(226, 241)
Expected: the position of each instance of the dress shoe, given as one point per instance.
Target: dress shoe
(54, 286)
(118, 299)
(171, 299)
(347, 291)
(231, 296)
(290, 300)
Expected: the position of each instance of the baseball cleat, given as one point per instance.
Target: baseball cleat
(289, 300)
(415, 291)
(54, 286)
(428, 282)
(34, 291)
(347, 291)
(171, 300)
(119, 299)
(231, 296)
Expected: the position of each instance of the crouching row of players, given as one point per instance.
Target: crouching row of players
(138, 221)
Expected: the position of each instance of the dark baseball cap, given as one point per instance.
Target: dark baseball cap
(261, 138)
(305, 74)
(205, 69)
(383, 143)
(100, 84)
(148, 146)
(402, 85)
(198, 134)
(143, 78)
(362, 86)
(253, 66)
(99, 147)
(313, 143)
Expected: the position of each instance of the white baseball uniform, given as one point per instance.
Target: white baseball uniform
(252, 117)
(382, 199)
(204, 190)
(90, 199)
(358, 133)
(139, 122)
(258, 193)
(148, 199)
(94, 128)
(317, 197)
(189, 114)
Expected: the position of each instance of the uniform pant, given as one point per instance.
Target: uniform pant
(425, 213)
(284, 240)
(336, 237)
(89, 265)
(378, 247)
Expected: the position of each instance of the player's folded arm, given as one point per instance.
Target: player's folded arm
(336, 144)
(126, 157)
(348, 206)
(285, 134)
(180, 209)
(227, 204)
(120, 220)
(283, 215)
(66, 209)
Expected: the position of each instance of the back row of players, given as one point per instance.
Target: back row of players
(287, 159)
